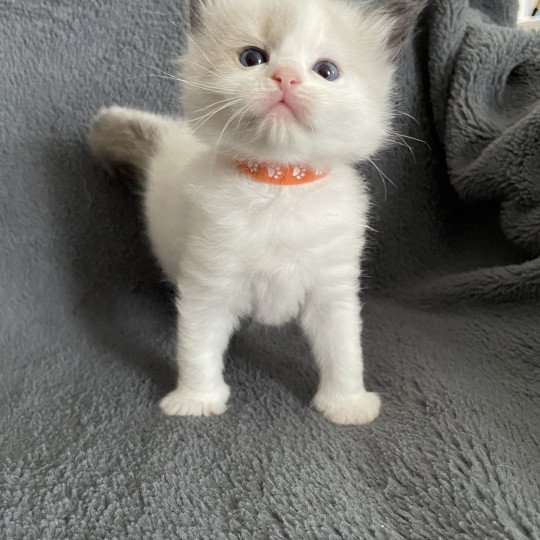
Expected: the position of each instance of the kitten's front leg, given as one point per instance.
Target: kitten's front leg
(333, 327)
(204, 329)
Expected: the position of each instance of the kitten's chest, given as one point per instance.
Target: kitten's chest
(286, 243)
(280, 265)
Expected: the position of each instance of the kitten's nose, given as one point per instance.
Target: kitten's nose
(286, 77)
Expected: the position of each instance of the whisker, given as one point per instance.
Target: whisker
(410, 116)
(191, 40)
(205, 69)
(177, 26)
(412, 138)
(207, 116)
(240, 119)
(179, 79)
(151, 75)
(403, 143)
(214, 103)
(157, 69)
(237, 113)
(383, 176)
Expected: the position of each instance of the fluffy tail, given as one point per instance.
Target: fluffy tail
(125, 140)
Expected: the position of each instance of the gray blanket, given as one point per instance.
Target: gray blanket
(452, 319)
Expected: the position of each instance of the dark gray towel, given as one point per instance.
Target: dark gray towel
(452, 319)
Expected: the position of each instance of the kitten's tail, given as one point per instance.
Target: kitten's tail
(125, 140)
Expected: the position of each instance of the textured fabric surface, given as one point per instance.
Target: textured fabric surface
(452, 325)
(492, 125)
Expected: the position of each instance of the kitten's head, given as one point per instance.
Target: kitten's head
(293, 80)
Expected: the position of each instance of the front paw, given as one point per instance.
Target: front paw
(182, 402)
(355, 409)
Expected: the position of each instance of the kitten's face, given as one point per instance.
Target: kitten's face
(289, 81)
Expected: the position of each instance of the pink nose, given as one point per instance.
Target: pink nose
(286, 77)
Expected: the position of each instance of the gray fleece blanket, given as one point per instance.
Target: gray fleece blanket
(452, 319)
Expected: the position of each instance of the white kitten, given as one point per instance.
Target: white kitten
(280, 86)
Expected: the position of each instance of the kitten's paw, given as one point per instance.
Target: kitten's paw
(356, 409)
(180, 402)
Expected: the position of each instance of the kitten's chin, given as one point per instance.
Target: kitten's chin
(281, 112)
(273, 149)
(281, 136)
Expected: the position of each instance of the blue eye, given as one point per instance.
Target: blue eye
(252, 56)
(326, 70)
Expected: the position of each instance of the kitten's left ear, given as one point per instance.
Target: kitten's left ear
(402, 16)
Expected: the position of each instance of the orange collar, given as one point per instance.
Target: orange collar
(283, 175)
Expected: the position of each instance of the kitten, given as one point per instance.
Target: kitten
(252, 205)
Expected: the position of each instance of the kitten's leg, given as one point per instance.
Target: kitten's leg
(333, 327)
(125, 140)
(204, 330)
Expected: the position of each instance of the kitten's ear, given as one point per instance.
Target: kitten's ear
(196, 11)
(402, 16)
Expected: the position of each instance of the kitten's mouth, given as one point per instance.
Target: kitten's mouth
(282, 109)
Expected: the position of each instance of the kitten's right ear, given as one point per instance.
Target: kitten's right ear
(196, 14)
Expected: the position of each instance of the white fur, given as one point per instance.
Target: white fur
(237, 248)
